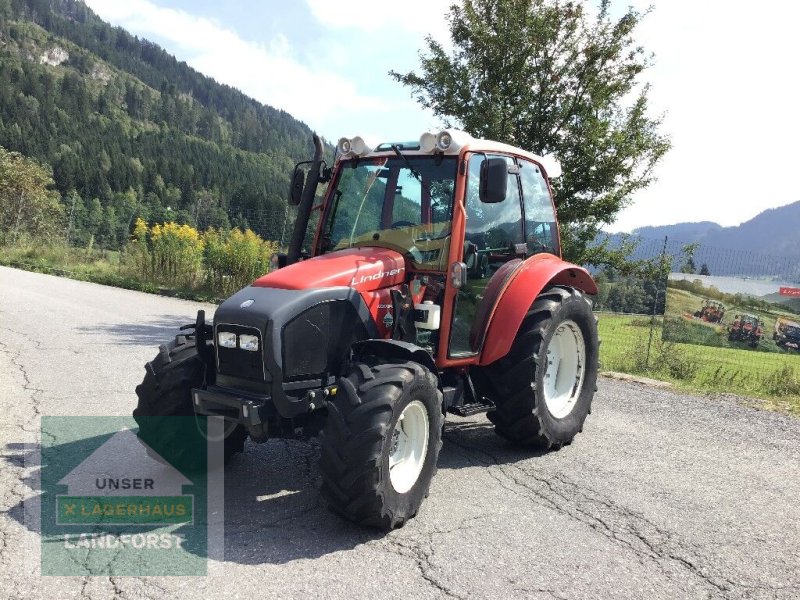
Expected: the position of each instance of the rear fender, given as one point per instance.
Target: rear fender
(535, 274)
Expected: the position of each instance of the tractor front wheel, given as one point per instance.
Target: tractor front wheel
(166, 392)
(381, 442)
(543, 388)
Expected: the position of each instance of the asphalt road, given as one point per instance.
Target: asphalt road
(662, 496)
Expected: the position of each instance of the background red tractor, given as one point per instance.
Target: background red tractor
(787, 333)
(434, 284)
(711, 311)
(746, 328)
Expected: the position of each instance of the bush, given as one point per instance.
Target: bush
(235, 258)
(221, 261)
(782, 382)
(167, 254)
(665, 357)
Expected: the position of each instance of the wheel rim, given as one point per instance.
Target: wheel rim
(409, 447)
(564, 370)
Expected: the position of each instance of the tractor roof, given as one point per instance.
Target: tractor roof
(450, 142)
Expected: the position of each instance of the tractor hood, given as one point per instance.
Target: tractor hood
(364, 269)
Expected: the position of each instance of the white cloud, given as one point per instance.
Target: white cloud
(420, 17)
(268, 72)
(723, 74)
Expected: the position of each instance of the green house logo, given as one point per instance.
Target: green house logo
(124, 482)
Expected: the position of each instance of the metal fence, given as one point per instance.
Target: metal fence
(712, 317)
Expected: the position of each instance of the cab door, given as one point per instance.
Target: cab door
(494, 235)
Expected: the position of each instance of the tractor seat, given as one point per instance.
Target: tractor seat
(489, 299)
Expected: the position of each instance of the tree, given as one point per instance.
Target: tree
(549, 77)
(688, 265)
(28, 207)
(704, 269)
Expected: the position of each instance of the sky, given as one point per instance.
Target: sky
(724, 77)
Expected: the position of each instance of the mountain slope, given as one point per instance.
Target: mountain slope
(131, 130)
(766, 245)
(679, 231)
(776, 231)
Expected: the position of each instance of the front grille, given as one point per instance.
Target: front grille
(305, 342)
(236, 362)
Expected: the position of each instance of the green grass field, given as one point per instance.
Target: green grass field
(772, 377)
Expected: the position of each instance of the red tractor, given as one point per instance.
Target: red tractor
(711, 311)
(434, 284)
(746, 328)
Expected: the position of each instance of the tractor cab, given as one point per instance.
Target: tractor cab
(434, 283)
(787, 333)
(440, 225)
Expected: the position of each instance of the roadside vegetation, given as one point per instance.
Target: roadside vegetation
(772, 377)
(171, 258)
(165, 258)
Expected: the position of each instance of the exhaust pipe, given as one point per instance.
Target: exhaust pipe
(305, 204)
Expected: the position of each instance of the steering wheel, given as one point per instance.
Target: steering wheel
(399, 224)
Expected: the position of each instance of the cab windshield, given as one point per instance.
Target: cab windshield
(402, 203)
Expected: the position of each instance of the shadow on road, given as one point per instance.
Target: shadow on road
(469, 443)
(151, 333)
(273, 511)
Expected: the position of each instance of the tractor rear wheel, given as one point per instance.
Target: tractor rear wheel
(381, 442)
(543, 388)
(166, 392)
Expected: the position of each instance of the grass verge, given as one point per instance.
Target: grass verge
(97, 266)
(772, 377)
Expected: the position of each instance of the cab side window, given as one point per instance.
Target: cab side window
(493, 228)
(541, 230)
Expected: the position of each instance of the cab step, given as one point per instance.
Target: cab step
(474, 408)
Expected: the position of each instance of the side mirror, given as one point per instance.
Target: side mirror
(494, 180)
(296, 187)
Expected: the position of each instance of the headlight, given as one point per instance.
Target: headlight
(344, 146)
(427, 142)
(248, 342)
(226, 339)
(444, 140)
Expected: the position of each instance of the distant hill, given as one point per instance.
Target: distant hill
(768, 245)
(792, 303)
(776, 231)
(679, 231)
(131, 131)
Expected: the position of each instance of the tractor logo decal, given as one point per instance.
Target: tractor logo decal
(376, 276)
(247, 303)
